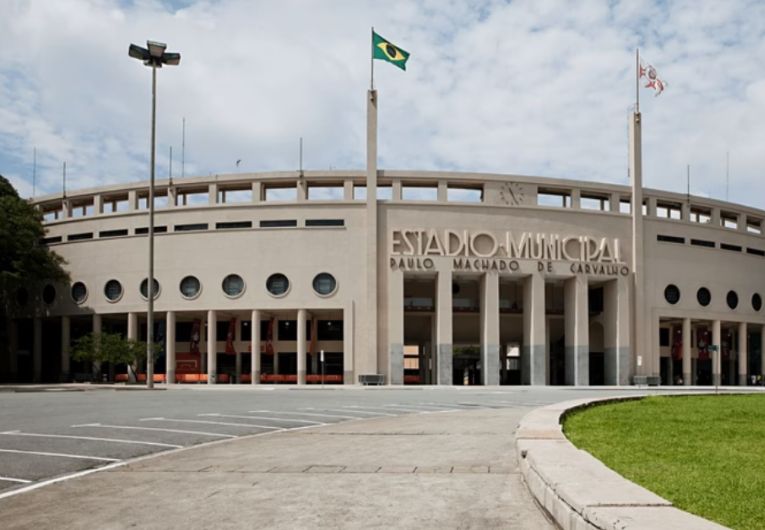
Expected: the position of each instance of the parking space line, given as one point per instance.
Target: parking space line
(209, 422)
(92, 438)
(371, 407)
(308, 414)
(362, 409)
(217, 415)
(131, 427)
(60, 455)
(11, 479)
(417, 408)
(354, 411)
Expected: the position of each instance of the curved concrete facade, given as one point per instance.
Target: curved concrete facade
(467, 278)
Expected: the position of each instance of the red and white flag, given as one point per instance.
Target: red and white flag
(652, 77)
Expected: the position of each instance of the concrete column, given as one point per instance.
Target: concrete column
(743, 357)
(301, 346)
(577, 331)
(533, 357)
(396, 327)
(443, 191)
(255, 347)
(685, 212)
(617, 333)
(396, 190)
(66, 209)
(614, 202)
(132, 200)
(687, 377)
(490, 329)
(715, 217)
(348, 331)
(98, 204)
(37, 349)
(171, 196)
(66, 339)
(716, 341)
(347, 190)
(741, 224)
(444, 319)
(96, 332)
(257, 191)
(212, 194)
(302, 189)
(576, 199)
(170, 347)
(212, 347)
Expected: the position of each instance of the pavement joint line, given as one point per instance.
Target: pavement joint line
(217, 415)
(92, 438)
(12, 479)
(210, 422)
(307, 414)
(132, 427)
(374, 409)
(377, 414)
(60, 455)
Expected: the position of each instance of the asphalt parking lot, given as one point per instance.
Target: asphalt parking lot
(52, 434)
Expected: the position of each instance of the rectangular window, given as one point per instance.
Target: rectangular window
(755, 251)
(50, 240)
(191, 227)
(82, 210)
(145, 230)
(464, 194)
(663, 336)
(221, 330)
(329, 329)
(670, 239)
(593, 203)
(233, 224)
(703, 243)
(114, 206)
(625, 207)
(183, 331)
(245, 330)
(79, 237)
(419, 193)
(288, 330)
(234, 196)
(325, 222)
(113, 233)
(558, 200)
(280, 194)
(277, 223)
(325, 193)
(733, 248)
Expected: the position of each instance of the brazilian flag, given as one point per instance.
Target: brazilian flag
(383, 49)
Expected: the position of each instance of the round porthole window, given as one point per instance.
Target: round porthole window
(278, 284)
(732, 299)
(672, 294)
(756, 302)
(145, 288)
(190, 287)
(113, 290)
(324, 284)
(704, 296)
(79, 292)
(233, 285)
(49, 294)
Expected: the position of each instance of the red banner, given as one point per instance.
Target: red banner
(230, 336)
(270, 337)
(195, 334)
(677, 343)
(702, 343)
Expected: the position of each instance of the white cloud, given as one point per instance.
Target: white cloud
(527, 87)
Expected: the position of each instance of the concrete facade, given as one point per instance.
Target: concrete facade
(421, 277)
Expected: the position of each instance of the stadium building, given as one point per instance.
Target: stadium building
(417, 277)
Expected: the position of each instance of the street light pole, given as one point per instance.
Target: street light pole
(154, 56)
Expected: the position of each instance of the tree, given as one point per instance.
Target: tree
(25, 262)
(110, 348)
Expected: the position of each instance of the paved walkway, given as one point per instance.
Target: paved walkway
(439, 470)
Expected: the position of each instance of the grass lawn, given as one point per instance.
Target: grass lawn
(706, 454)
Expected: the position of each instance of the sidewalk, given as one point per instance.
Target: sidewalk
(439, 470)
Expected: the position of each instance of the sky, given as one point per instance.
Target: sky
(537, 87)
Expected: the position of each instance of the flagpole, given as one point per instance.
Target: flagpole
(637, 80)
(372, 60)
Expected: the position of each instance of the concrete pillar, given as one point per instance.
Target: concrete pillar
(170, 347)
(396, 190)
(172, 196)
(212, 347)
(617, 332)
(301, 346)
(490, 329)
(443, 191)
(685, 212)
(36, 349)
(533, 356)
(255, 347)
(212, 194)
(614, 202)
(348, 331)
(98, 204)
(97, 324)
(302, 189)
(132, 200)
(687, 377)
(396, 327)
(66, 339)
(741, 225)
(444, 319)
(577, 331)
(348, 190)
(716, 341)
(257, 191)
(66, 209)
(743, 357)
(576, 199)
(715, 217)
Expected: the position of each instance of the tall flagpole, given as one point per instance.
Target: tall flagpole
(371, 279)
(637, 80)
(372, 61)
(644, 362)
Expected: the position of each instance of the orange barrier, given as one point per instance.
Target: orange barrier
(412, 379)
(332, 379)
(245, 378)
(158, 378)
(121, 378)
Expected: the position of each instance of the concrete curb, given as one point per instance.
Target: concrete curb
(580, 492)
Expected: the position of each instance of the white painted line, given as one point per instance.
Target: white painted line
(260, 418)
(130, 427)
(357, 408)
(93, 438)
(354, 411)
(307, 414)
(417, 408)
(206, 422)
(59, 455)
(11, 479)
(371, 407)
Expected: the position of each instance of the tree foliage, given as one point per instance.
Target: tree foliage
(24, 260)
(108, 348)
